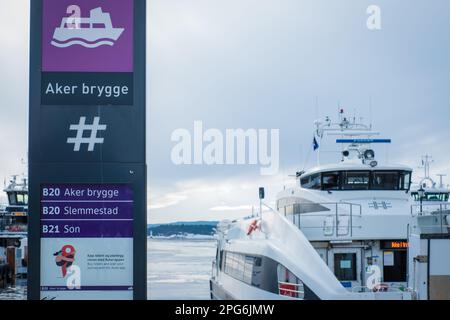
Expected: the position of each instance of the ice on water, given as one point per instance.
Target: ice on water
(176, 269)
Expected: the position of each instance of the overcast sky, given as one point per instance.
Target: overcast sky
(262, 64)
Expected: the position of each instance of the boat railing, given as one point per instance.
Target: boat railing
(382, 287)
(214, 269)
(16, 229)
(385, 288)
(338, 216)
(288, 289)
(9, 223)
(427, 208)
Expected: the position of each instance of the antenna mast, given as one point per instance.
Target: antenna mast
(441, 180)
(426, 161)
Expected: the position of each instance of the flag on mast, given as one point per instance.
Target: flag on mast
(315, 144)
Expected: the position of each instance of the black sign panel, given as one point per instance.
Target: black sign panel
(87, 141)
(87, 88)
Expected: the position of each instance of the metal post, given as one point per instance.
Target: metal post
(299, 214)
(260, 214)
(337, 221)
(261, 197)
(351, 220)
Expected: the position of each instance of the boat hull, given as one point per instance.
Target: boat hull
(217, 292)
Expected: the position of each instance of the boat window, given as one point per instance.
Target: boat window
(331, 180)
(266, 274)
(22, 198)
(304, 181)
(245, 268)
(405, 180)
(290, 216)
(12, 198)
(386, 180)
(308, 207)
(17, 198)
(248, 269)
(98, 26)
(238, 271)
(221, 262)
(356, 180)
(433, 197)
(442, 197)
(288, 284)
(312, 182)
(345, 266)
(289, 210)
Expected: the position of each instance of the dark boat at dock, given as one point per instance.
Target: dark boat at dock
(13, 234)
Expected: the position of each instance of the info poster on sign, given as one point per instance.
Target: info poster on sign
(86, 241)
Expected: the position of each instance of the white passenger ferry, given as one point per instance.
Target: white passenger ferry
(342, 232)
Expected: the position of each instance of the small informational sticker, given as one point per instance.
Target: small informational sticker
(86, 241)
(388, 258)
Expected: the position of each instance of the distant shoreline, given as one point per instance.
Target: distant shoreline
(211, 238)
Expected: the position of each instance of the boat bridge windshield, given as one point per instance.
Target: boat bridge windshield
(358, 180)
(18, 198)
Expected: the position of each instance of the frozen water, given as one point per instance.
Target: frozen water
(176, 269)
(179, 269)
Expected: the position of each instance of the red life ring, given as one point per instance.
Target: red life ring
(252, 227)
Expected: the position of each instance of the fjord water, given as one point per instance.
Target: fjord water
(179, 269)
(176, 269)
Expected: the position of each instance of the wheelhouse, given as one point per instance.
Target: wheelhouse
(14, 217)
(357, 180)
(17, 198)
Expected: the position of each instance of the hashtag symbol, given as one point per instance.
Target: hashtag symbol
(80, 128)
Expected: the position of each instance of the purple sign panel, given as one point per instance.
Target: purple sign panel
(86, 192)
(87, 35)
(87, 229)
(51, 210)
(86, 211)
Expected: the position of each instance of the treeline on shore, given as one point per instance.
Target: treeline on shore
(181, 228)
